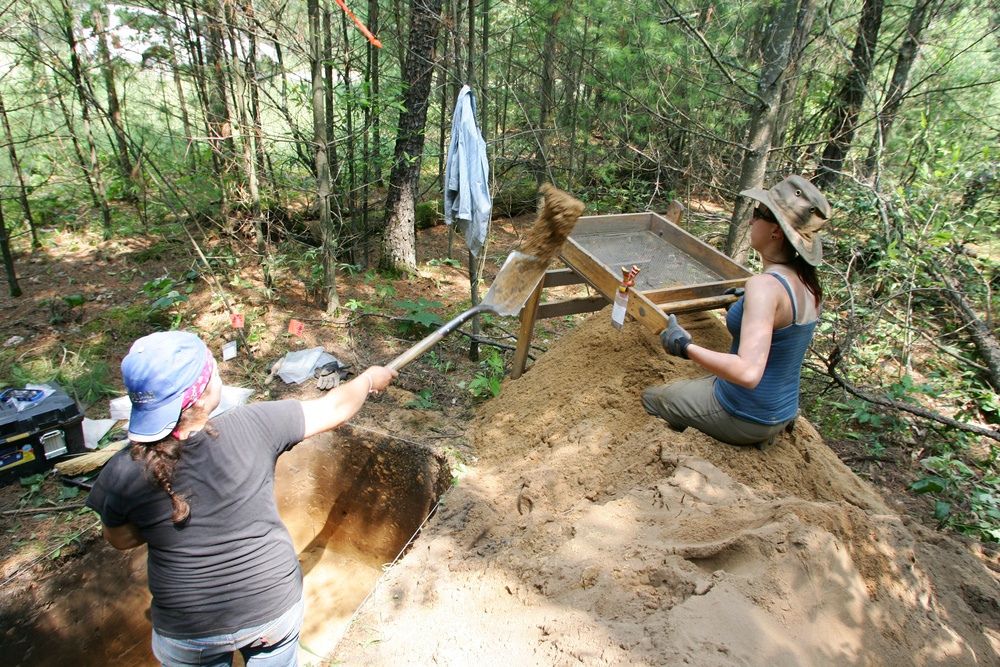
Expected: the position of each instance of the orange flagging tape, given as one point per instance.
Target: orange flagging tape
(361, 26)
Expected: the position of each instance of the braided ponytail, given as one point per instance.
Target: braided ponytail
(160, 459)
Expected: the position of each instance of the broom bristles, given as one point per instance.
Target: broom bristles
(80, 465)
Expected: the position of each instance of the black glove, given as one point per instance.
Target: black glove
(735, 291)
(675, 339)
(330, 375)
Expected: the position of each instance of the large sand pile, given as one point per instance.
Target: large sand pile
(589, 533)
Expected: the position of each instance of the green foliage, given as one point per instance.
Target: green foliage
(33, 484)
(423, 400)
(419, 312)
(164, 295)
(486, 383)
(160, 250)
(514, 199)
(357, 306)
(128, 323)
(62, 308)
(892, 327)
(83, 374)
(443, 365)
(429, 214)
(967, 499)
(385, 291)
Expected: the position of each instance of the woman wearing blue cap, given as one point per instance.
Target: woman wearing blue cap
(753, 390)
(200, 493)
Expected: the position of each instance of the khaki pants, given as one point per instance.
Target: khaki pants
(693, 403)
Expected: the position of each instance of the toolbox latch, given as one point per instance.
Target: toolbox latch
(53, 443)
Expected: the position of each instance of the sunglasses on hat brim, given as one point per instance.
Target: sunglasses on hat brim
(764, 213)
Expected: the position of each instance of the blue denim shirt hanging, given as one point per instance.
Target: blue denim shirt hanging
(467, 174)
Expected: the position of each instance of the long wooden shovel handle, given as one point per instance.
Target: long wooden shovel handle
(434, 338)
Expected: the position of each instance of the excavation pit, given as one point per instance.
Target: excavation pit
(352, 500)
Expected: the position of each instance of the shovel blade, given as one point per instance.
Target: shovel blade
(515, 282)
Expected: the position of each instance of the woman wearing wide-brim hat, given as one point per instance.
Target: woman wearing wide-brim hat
(753, 390)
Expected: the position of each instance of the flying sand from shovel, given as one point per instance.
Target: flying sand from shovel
(520, 273)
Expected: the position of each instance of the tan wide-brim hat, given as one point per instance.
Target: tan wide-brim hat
(801, 210)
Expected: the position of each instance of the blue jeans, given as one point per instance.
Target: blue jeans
(271, 644)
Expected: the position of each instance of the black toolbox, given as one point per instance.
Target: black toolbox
(32, 438)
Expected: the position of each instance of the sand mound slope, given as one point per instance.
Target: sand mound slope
(590, 533)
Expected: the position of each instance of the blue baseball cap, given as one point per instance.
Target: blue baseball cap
(158, 370)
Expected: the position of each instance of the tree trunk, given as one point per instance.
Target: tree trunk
(476, 262)
(218, 114)
(114, 106)
(484, 79)
(574, 106)
(76, 71)
(81, 160)
(399, 242)
(192, 32)
(851, 96)
(776, 50)
(906, 58)
(8, 259)
(351, 159)
(243, 73)
(182, 102)
(790, 84)
(253, 92)
(327, 57)
(445, 84)
(15, 164)
(322, 159)
(547, 90)
(373, 78)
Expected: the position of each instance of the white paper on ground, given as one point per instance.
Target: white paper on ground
(121, 407)
(94, 430)
(298, 366)
(231, 397)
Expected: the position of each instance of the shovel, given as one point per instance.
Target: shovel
(521, 271)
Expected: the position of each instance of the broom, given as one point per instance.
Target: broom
(84, 463)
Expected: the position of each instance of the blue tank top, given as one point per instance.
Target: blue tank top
(776, 398)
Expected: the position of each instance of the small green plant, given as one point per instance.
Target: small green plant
(385, 291)
(458, 471)
(423, 400)
(419, 312)
(486, 384)
(357, 306)
(443, 365)
(67, 540)
(165, 295)
(350, 269)
(33, 495)
(62, 308)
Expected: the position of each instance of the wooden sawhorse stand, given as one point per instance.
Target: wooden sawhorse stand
(651, 307)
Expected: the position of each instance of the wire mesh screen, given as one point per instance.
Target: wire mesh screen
(661, 264)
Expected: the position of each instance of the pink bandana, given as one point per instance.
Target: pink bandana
(194, 392)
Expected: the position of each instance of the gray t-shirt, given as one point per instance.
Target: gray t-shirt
(232, 564)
